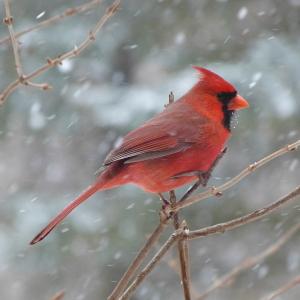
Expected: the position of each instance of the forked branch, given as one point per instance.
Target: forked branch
(72, 11)
(52, 62)
(8, 20)
(219, 228)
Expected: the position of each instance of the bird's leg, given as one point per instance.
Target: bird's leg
(166, 211)
(164, 200)
(203, 177)
(195, 186)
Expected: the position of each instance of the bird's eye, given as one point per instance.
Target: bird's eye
(225, 97)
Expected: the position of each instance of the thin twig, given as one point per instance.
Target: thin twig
(249, 218)
(150, 266)
(171, 99)
(8, 20)
(186, 278)
(173, 265)
(249, 262)
(182, 243)
(217, 191)
(52, 62)
(182, 252)
(121, 285)
(72, 11)
(295, 281)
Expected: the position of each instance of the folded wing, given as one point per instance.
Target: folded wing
(157, 138)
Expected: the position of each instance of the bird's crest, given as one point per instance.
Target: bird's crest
(211, 81)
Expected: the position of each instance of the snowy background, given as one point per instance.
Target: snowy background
(51, 143)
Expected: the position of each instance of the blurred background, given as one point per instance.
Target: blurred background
(51, 144)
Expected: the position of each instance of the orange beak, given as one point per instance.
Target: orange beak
(237, 103)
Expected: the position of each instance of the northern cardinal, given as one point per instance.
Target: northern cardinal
(167, 151)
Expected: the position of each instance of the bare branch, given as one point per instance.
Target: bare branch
(173, 265)
(121, 285)
(217, 191)
(250, 262)
(70, 54)
(295, 281)
(42, 86)
(249, 218)
(8, 20)
(150, 266)
(184, 257)
(182, 252)
(218, 228)
(182, 246)
(72, 11)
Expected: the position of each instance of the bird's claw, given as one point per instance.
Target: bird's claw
(166, 209)
(166, 213)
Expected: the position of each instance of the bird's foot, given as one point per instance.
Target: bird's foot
(166, 213)
(167, 206)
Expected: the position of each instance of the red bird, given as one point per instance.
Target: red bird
(167, 151)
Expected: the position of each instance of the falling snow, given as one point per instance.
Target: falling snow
(39, 16)
(117, 255)
(130, 206)
(66, 66)
(242, 13)
(255, 78)
(130, 47)
(262, 271)
(293, 261)
(180, 38)
(37, 119)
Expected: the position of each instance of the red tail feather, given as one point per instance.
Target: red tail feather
(67, 210)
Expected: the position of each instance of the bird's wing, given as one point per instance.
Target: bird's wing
(148, 143)
(167, 133)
